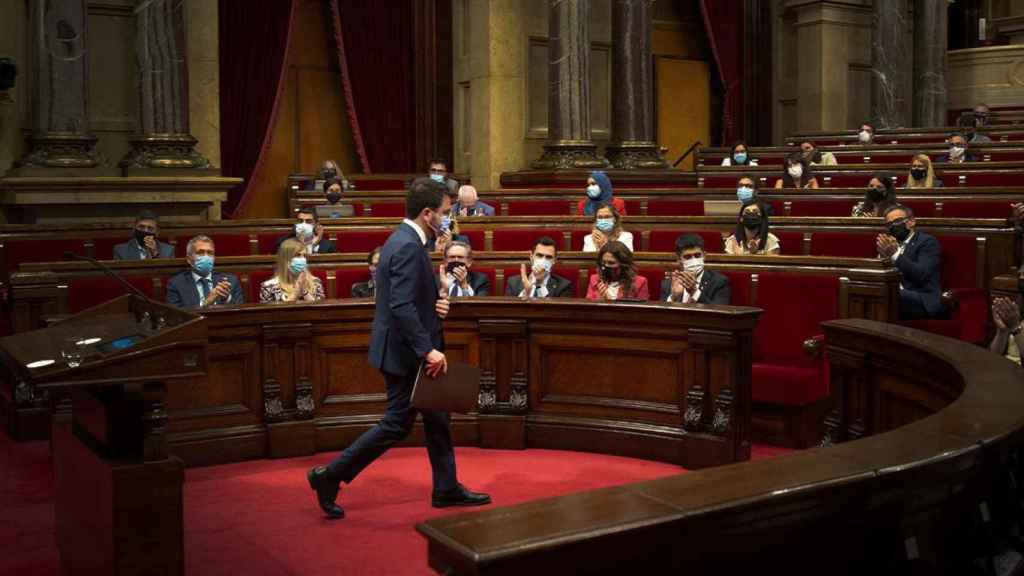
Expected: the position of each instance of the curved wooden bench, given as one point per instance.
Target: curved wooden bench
(935, 420)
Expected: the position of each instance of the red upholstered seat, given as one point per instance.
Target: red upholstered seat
(393, 209)
(632, 206)
(267, 242)
(361, 241)
(967, 321)
(975, 209)
(18, 251)
(794, 306)
(850, 244)
(476, 238)
(739, 287)
(654, 277)
(233, 244)
(820, 208)
(921, 208)
(88, 291)
(540, 207)
(506, 240)
(346, 277)
(959, 261)
(665, 240)
(103, 247)
(579, 235)
(790, 242)
(674, 208)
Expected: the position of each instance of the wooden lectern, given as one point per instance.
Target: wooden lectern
(118, 500)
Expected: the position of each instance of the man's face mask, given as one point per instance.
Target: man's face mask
(864, 136)
(898, 229)
(304, 231)
(141, 235)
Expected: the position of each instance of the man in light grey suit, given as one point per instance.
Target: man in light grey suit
(144, 245)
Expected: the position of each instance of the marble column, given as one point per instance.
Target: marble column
(931, 18)
(569, 138)
(165, 144)
(890, 64)
(61, 143)
(633, 144)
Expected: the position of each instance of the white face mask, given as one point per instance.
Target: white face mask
(304, 231)
(542, 265)
(956, 151)
(695, 265)
(864, 136)
(796, 171)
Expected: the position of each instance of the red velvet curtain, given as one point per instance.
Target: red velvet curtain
(254, 36)
(723, 20)
(375, 52)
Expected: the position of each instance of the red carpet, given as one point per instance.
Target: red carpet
(260, 517)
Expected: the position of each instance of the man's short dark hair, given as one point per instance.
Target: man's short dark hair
(146, 215)
(687, 241)
(308, 210)
(544, 241)
(438, 160)
(907, 211)
(423, 193)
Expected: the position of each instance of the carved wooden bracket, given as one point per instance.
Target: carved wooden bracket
(721, 423)
(305, 405)
(154, 421)
(694, 416)
(273, 411)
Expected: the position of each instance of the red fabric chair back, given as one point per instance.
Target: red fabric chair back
(540, 207)
(959, 261)
(392, 209)
(19, 251)
(654, 277)
(849, 244)
(819, 208)
(975, 209)
(739, 287)
(476, 238)
(361, 242)
(791, 243)
(794, 305)
(665, 240)
(103, 247)
(88, 291)
(674, 208)
(511, 240)
(232, 244)
(346, 277)
(267, 242)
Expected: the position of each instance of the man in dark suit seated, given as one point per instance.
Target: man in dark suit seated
(462, 281)
(958, 151)
(310, 232)
(200, 286)
(407, 332)
(145, 244)
(691, 281)
(538, 281)
(368, 288)
(917, 256)
(469, 203)
(438, 172)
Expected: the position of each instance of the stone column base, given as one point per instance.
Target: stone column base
(166, 155)
(570, 154)
(61, 154)
(634, 155)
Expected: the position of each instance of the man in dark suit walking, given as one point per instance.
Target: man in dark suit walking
(537, 280)
(692, 282)
(406, 332)
(200, 286)
(917, 256)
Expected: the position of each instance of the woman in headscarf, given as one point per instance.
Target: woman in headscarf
(599, 192)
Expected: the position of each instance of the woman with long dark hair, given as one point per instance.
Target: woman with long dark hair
(616, 276)
(739, 156)
(798, 173)
(752, 235)
(879, 196)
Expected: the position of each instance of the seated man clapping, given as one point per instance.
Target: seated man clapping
(691, 282)
(538, 281)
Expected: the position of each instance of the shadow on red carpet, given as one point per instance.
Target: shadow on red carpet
(260, 517)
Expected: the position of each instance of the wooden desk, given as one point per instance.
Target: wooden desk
(935, 418)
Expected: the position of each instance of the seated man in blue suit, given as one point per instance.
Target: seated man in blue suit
(917, 256)
(200, 286)
(469, 203)
(691, 281)
(145, 244)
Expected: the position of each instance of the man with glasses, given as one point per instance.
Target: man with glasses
(691, 282)
(917, 256)
(144, 245)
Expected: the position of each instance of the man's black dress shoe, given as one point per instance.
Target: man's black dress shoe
(326, 491)
(460, 496)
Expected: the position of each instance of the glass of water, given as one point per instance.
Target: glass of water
(72, 352)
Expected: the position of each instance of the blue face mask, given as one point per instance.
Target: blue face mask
(740, 157)
(745, 194)
(437, 177)
(446, 223)
(594, 191)
(203, 265)
(605, 224)
(297, 265)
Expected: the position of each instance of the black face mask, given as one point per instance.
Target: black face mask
(329, 174)
(610, 274)
(752, 220)
(333, 197)
(899, 231)
(140, 235)
(451, 266)
(918, 173)
(875, 195)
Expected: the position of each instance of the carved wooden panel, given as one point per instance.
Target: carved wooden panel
(230, 395)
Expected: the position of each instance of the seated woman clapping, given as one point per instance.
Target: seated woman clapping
(292, 281)
(607, 226)
(752, 235)
(617, 278)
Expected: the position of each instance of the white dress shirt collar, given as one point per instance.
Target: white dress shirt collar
(419, 231)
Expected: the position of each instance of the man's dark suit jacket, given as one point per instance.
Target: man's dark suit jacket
(130, 250)
(480, 209)
(479, 282)
(362, 290)
(326, 246)
(714, 288)
(182, 292)
(405, 326)
(558, 287)
(919, 264)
